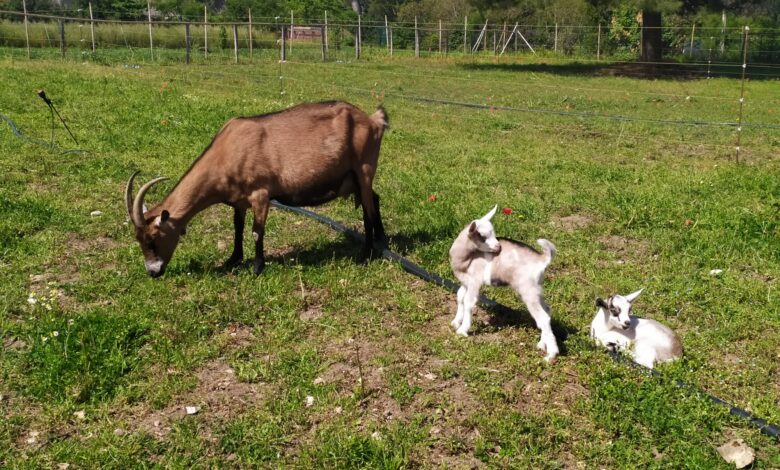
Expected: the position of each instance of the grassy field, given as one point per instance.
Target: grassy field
(323, 362)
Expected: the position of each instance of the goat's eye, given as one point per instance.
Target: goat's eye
(615, 311)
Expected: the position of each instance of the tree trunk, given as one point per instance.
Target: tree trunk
(652, 41)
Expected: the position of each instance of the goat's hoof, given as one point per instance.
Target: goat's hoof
(462, 332)
(232, 262)
(541, 346)
(258, 268)
(455, 324)
(550, 358)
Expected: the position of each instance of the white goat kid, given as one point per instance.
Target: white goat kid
(646, 340)
(479, 258)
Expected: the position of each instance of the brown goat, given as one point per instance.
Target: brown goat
(303, 156)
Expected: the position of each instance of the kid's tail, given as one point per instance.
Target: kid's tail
(548, 249)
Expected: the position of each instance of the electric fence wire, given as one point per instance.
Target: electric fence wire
(42, 143)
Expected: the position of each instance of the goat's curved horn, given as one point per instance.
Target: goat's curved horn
(129, 196)
(138, 204)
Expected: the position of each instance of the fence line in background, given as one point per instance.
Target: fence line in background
(438, 36)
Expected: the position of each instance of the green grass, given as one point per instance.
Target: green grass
(323, 362)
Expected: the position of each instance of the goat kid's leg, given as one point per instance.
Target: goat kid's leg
(469, 302)
(540, 311)
(459, 314)
(260, 205)
(237, 257)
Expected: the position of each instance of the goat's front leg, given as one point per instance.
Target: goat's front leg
(237, 257)
(469, 302)
(459, 314)
(260, 204)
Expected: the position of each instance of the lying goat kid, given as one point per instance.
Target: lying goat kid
(646, 340)
(479, 258)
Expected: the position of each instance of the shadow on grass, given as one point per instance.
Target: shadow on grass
(639, 70)
(502, 316)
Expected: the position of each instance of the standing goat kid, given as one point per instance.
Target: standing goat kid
(479, 258)
(303, 156)
(645, 339)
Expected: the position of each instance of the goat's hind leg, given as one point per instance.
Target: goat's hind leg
(540, 311)
(237, 257)
(260, 204)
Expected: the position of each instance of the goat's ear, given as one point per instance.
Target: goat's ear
(473, 227)
(601, 303)
(490, 214)
(632, 296)
(162, 218)
(145, 209)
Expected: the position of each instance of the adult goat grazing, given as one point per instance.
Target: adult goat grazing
(302, 156)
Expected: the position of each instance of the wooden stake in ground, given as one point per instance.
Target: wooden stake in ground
(92, 26)
(387, 34)
(358, 40)
(26, 32)
(235, 43)
(292, 29)
(205, 32)
(250, 34)
(326, 32)
(465, 33)
(556, 38)
(416, 39)
(149, 15)
(440, 38)
(598, 44)
(693, 32)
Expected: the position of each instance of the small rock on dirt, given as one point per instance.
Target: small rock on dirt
(192, 410)
(737, 452)
(95, 214)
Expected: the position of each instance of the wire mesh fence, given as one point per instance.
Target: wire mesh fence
(84, 33)
(334, 59)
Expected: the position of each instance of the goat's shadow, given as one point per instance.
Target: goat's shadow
(349, 246)
(503, 316)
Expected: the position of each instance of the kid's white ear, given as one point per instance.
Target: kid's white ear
(490, 214)
(630, 297)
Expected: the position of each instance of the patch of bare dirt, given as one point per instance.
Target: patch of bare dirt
(572, 222)
(218, 397)
(624, 249)
(76, 243)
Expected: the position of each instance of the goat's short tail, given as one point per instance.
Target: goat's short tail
(548, 249)
(380, 118)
